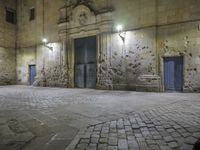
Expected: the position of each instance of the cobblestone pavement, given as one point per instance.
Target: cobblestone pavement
(171, 127)
(36, 118)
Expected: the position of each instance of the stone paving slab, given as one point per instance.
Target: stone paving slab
(38, 118)
(171, 127)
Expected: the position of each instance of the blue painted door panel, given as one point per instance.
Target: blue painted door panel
(79, 75)
(179, 74)
(173, 73)
(91, 77)
(169, 74)
(32, 70)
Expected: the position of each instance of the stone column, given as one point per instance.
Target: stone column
(104, 52)
(69, 61)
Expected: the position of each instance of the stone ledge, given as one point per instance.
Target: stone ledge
(148, 88)
(128, 87)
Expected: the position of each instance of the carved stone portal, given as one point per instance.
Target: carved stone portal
(80, 20)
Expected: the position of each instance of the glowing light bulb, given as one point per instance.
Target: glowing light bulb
(119, 28)
(44, 40)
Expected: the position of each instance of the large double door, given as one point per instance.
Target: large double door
(85, 62)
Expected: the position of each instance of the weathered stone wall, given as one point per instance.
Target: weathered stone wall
(182, 40)
(122, 63)
(29, 41)
(155, 29)
(7, 45)
(51, 69)
(25, 57)
(134, 13)
(176, 11)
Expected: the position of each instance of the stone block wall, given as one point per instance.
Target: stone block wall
(7, 66)
(7, 45)
(177, 11)
(182, 40)
(122, 63)
(25, 57)
(50, 66)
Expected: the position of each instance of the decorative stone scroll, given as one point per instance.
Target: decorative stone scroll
(78, 19)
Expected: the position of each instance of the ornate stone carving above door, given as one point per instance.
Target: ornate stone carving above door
(80, 17)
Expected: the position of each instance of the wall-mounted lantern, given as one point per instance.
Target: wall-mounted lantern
(45, 42)
(122, 33)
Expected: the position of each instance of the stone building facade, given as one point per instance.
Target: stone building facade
(135, 58)
(7, 45)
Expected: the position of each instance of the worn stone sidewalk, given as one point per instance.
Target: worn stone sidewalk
(171, 127)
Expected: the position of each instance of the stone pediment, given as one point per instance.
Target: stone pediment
(82, 16)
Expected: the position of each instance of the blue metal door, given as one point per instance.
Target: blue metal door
(85, 62)
(173, 73)
(32, 73)
(79, 74)
(91, 76)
